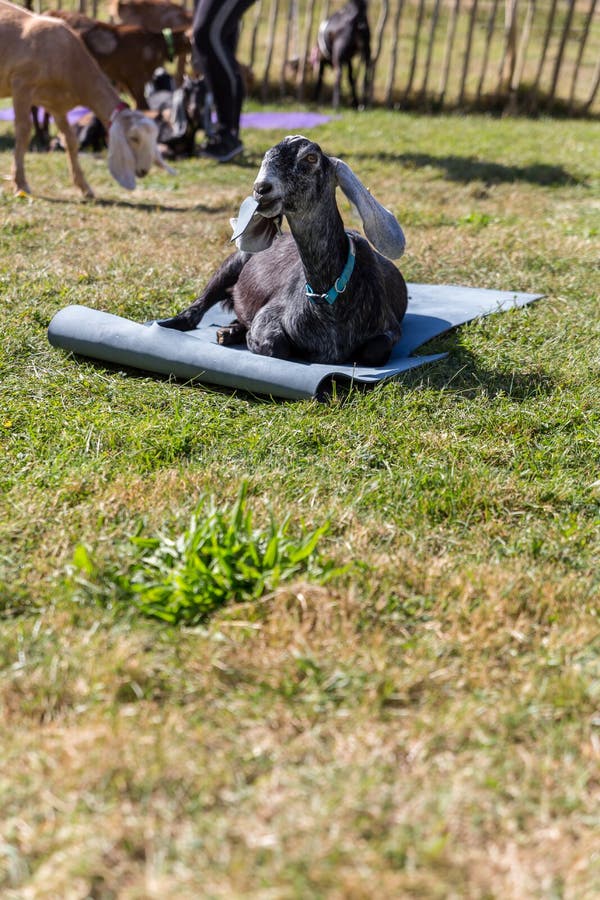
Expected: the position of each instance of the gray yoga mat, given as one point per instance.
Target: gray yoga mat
(432, 310)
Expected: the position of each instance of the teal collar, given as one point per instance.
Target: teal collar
(168, 36)
(340, 284)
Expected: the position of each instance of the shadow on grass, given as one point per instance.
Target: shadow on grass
(131, 204)
(465, 169)
(463, 374)
(183, 383)
(460, 374)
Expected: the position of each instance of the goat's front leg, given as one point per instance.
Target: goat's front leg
(23, 125)
(217, 289)
(352, 84)
(319, 85)
(337, 85)
(72, 145)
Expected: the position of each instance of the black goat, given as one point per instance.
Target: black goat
(343, 36)
(320, 293)
(180, 115)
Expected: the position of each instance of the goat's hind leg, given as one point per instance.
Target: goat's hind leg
(23, 124)
(72, 145)
(376, 350)
(217, 289)
(266, 335)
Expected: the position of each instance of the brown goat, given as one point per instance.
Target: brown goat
(44, 63)
(151, 14)
(154, 15)
(128, 54)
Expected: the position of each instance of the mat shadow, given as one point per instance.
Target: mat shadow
(463, 374)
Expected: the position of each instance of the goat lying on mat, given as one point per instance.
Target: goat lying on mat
(320, 293)
(43, 62)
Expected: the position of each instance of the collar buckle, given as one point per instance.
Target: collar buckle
(341, 282)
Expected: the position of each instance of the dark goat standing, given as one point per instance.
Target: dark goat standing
(343, 36)
(268, 290)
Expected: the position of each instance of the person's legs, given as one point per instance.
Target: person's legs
(216, 24)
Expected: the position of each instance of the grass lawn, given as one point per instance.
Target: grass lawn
(424, 722)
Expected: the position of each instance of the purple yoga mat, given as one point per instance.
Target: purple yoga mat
(267, 120)
(284, 120)
(74, 115)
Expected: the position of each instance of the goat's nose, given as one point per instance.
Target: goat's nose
(262, 188)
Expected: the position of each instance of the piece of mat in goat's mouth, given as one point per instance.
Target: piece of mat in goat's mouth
(432, 310)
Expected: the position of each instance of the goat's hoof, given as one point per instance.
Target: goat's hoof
(180, 322)
(231, 334)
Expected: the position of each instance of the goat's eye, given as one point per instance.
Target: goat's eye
(311, 158)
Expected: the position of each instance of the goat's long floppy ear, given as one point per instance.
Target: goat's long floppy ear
(178, 114)
(251, 231)
(381, 226)
(121, 161)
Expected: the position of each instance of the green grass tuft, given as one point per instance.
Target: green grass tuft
(220, 558)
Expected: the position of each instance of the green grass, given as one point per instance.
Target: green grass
(423, 724)
(219, 559)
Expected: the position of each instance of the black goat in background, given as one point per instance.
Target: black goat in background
(180, 112)
(344, 35)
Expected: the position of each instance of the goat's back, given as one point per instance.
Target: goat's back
(151, 14)
(345, 34)
(36, 48)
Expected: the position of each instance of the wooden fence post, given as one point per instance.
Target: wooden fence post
(291, 18)
(254, 38)
(595, 85)
(547, 36)
(448, 52)
(582, 43)
(270, 42)
(434, 21)
(389, 91)
(486, 50)
(561, 51)
(509, 54)
(304, 50)
(517, 75)
(467, 56)
(413, 61)
(383, 16)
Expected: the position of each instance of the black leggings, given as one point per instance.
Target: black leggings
(216, 27)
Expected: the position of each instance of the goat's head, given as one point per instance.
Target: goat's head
(295, 178)
(132, 147)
